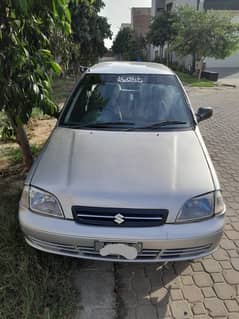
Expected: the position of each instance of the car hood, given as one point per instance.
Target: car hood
(123, 169)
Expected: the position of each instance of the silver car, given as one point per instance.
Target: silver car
(125, 175)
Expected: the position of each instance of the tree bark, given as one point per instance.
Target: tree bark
(200, 73)
(22, 140)
(200, 68)
(168, 54)
(161, 53)
(193, 68)
(198, 5)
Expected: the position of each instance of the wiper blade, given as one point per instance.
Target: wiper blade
(160, 124)
(100, 124)
(123, 123)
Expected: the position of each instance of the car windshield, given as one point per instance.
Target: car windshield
(127, 101)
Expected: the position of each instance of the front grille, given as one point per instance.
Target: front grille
(151, 254)
(146, 254)
(119, 217)
(185, 252)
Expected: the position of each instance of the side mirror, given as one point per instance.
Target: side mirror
(204, 113)
(83, 69)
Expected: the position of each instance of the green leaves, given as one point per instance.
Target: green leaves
(128, 45)
(89, 30)
(46, 53)
(21, 7)
(26, 58)
(54, 11)
(162, 29)
(207, 34)
(188, 31)
(25, 54)
(36, 89)
(55, 67)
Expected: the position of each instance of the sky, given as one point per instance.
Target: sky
(119, 11)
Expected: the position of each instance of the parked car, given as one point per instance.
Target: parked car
(125, 175)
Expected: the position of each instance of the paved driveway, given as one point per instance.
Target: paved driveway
(205, 288)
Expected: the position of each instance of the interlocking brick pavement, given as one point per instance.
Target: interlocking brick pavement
(208, 287)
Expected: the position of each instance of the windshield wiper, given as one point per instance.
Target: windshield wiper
(100, 124)
(159, 125)
(123, 123)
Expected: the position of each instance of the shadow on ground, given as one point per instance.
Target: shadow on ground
(144, 289)
(126, 290)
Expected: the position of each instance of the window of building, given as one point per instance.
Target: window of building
(169, 7)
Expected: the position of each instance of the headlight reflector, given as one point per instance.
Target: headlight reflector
(24, 201)
(197, 208)
(219, 203)
(44, 203)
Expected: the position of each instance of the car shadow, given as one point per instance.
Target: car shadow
(129, 288)
(148, 285)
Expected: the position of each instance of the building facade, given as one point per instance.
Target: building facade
(125, 25)
(197, 4)
(140, 20)
(159, 6)
(221, 5)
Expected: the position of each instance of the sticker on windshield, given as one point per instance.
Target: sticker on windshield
(130, 79)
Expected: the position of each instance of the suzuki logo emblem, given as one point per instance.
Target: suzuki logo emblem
(119, 219)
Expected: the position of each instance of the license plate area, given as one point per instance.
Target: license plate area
(129, 251)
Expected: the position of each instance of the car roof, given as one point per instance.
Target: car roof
(129, 68)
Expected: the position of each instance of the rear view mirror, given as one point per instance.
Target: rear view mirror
(204, 113)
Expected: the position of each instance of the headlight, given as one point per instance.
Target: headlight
(201, 207)
(44, 203)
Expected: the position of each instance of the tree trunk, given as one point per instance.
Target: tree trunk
(198, 5)
(200, 69)
(22, 140)
(161, 53)
(199, 74)
(193, 68)
(168, 54)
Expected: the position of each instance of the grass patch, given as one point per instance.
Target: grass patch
(14, 155)
(37, 114)
(193, 81)
(62, 89)
(33, 285)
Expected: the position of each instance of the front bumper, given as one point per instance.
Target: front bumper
(169, 242)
